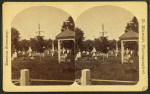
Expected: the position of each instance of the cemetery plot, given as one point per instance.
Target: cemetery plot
(110, 69)
(44, 70)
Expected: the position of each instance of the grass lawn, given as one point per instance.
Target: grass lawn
(46, 69)
(111, 69)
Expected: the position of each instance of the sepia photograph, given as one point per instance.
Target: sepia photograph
(42, 47)
(75, 46)
(107, 47)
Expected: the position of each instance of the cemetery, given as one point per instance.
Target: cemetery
(118, 64)
(49, 62)
(69, 56)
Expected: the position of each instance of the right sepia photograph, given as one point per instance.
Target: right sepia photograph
(106, 47)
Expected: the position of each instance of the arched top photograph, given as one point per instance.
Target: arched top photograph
(42, 44)
(107, 44)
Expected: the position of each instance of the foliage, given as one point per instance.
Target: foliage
(15, 39)
(112, 44)
(69, 24)
(79, 39)
(97, 45)
(88, 45)
(105, 44)
(56, 44)
(48, 44)
(132, 25)
(40, 44)
(25, 44)
(34, 44)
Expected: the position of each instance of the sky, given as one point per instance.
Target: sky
(90, 21)
(50, 19)
(114, 19)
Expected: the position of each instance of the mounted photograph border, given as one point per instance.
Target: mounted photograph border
(11, 9)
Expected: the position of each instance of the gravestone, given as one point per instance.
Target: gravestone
(116, 54)
(65, 54)
(32, 57)
(94, 52)
(23, 53)
(15, 54)
(87, 53)
(43, 54)
(93, 55)
(76, 58)
(29, 54)
(107, 55)
(52, 54)
(67, 51)
(79, 54)
(29, 51)
(127, 51)
(47, 52)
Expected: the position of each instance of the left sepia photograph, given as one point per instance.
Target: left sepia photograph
(42, 47)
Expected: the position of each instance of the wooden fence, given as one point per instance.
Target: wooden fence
(85, 79)
(25, 79)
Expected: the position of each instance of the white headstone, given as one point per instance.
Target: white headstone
(79, 54)
(95, 57)
(94, 50)
(23, 53)
(76, 58)
(116, 54)
(67, 51)
(94, 54)
(65, 54)
(107, 55)
(29, 54)
(32, 57)
(15, 54)
(43, 54)
(127, 51)
(129, 55)
(29, 50)
(87, 53)
(52, 54)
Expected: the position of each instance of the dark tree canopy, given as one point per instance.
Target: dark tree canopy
(79, 39)
(25, 44)
(69, 23)
(88, 45)
(40, 44)
(14, 39)
(105, 44)
(112, 44)
(132, 25)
